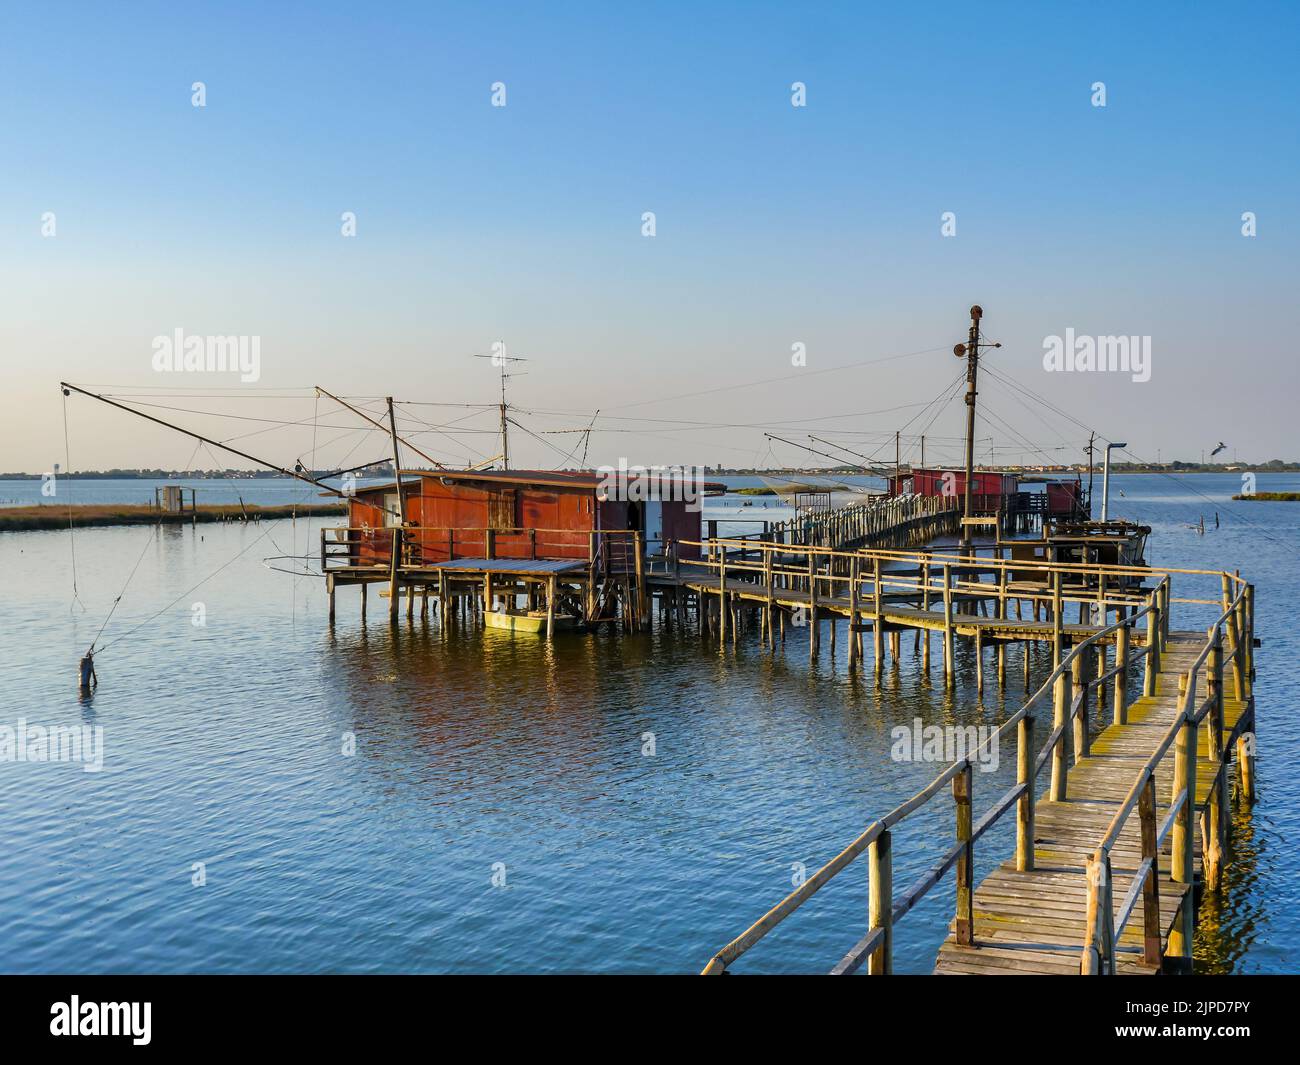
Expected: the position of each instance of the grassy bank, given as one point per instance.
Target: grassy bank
(54, 516)
(1274, 497)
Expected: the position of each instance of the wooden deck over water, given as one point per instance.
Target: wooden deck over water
(1104, 872)
(1034, 921)
(1104, 875)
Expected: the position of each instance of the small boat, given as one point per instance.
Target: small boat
(527, 621)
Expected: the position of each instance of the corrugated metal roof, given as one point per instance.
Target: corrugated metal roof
(567, 478)
(513, 565)
(556, 478)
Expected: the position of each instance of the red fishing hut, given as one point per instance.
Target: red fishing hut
(521, 514)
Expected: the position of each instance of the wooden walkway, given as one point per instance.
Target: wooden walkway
(900, 611)
(1034, 921)
(1106, 862)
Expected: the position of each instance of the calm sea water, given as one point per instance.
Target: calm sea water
(477, 753)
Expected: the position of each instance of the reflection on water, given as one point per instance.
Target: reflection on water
(483, 756)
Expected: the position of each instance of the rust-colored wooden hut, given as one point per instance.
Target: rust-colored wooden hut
(523, 514)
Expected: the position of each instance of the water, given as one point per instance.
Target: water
(479, 751)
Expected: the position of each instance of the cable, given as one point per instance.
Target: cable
(72, 534)
(803, 374)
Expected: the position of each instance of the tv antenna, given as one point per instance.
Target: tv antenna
(499, 358)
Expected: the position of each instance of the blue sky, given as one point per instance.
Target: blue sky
(775, 225)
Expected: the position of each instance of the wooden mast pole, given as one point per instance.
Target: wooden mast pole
(395, 561)
(214, 443)
(380, 425)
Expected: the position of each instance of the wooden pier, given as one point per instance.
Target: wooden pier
(598, 575)
(1104, 874)
(1044, 918)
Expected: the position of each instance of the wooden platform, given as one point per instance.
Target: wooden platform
(1033, 922)
(901, 611)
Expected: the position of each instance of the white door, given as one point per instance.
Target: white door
(654, 527)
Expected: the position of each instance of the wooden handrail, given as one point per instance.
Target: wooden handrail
(878, 939)
(1102, 931)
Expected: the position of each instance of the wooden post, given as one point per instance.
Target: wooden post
(642, 606)
(1246, 763)
(364, 586)
(948, 649)
(1002, 615)
(394, 571)
(1058, 622)
(1061, 752)
(1096, 949)
(1248, 638)
(329, 587)
(1151, 660)
(1184, 756)
(1213, 818)
(853, 612)
(1152, 934)
(925, 605)
(722, 593)
(1080, 672)
(550, 606)
(1121, 678)
(965, 923)
(877, 616)
(881, 903)
(1234, 631)
(814, 626)
(1156, 632)
(1099, 671)
(1180, 936)
(442, 598)
(1025, 804)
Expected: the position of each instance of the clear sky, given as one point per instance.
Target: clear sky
(775, 225)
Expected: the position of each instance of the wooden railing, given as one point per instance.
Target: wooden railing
(614, 550)
(1104, 926)
(859, 582)
(874, 517)
(1068, 687)
(1070, 727)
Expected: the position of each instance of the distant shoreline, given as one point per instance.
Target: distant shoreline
(84, 515)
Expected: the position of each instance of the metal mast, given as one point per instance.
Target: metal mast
(500, 359)
(971, 352)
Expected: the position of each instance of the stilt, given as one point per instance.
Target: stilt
(948, 649)
(1246, 763)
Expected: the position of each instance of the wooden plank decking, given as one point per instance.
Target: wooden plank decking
(1033, 922)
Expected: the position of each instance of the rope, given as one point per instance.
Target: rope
(189, 591)
(152, 536)
(72, 534)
